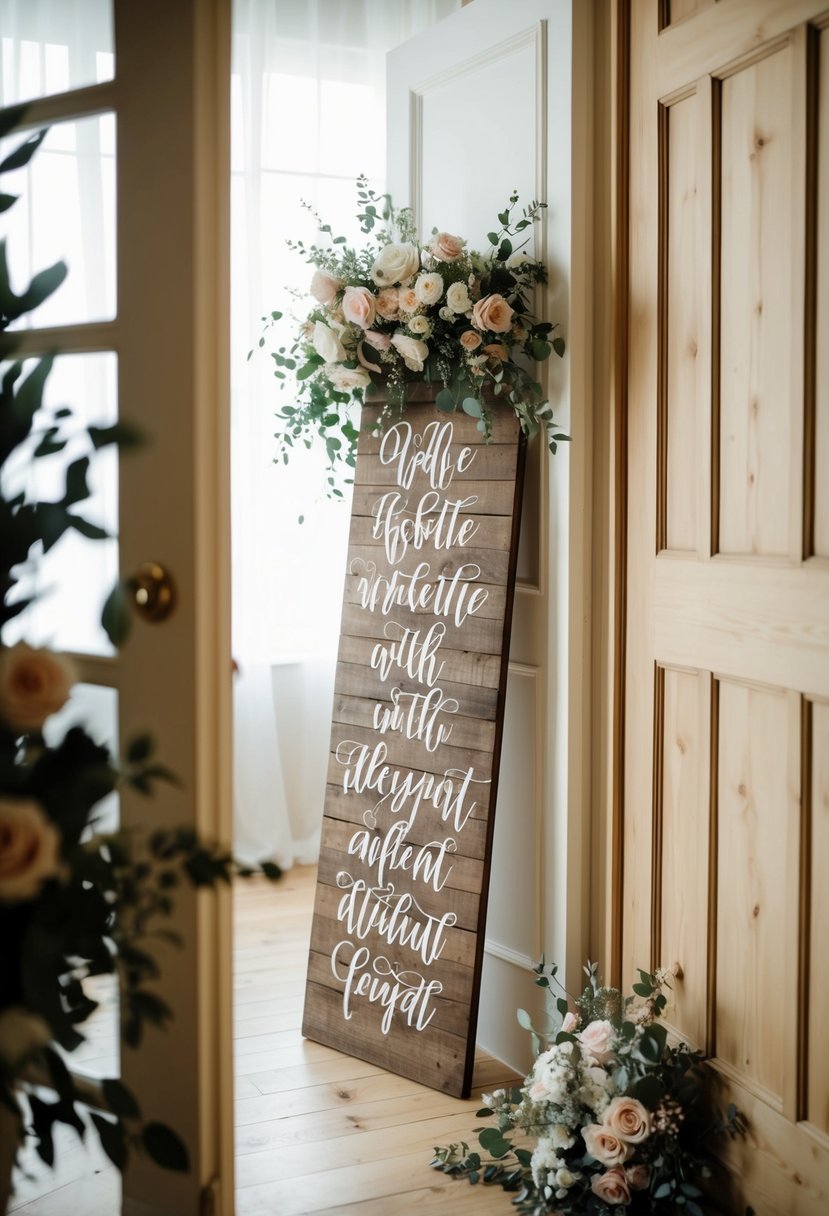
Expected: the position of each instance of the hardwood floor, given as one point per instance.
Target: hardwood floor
(316, 1131)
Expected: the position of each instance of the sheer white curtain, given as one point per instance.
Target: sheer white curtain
(308, 117)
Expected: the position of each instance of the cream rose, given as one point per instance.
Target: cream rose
(29, 849)
(413, 351)
(492, 313)
(638, 1177)
(420, 326)
(629, 1119)
(388, 303)
(33, 685)
(612, 1187)
(605, 1145)
(445, 247)
(359, 306)
(469, 340)
(21, 1034)
(395, 264)
(347, 378)
(597, 1040)
(324, 286)
(428, 288)
(327, 343)
(457, 297)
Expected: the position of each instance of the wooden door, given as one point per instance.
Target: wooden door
(157, 344)
(725, 865)
(514, 67)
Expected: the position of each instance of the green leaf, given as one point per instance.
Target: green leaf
(119, 1099)
(471, 406)
(504, 250)
(539, 349)
(140, 748)
(492, 237)
(113, 1140)
(77, 487)
(24, 152)
(271, 871)
(88, 529)
(165, 1148)
(524, 1019)
(559, 347)
(7, 200)
(123, 433)
(445, 401)
(493, 1142)
(116, 617)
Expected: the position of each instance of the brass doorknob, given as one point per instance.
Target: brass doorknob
(153, 592)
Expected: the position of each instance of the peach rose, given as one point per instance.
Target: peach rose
(605, 1145)
(496, 350)
(492, 313)
(612, 1187)
(21, 1034)
(446, 248)
(29, 849)
(33, 685)
(408, 300)
(470, 340)
(388, 302)
(629, 1119)
(638, 1177)
(597, 1040)
(324, 286)
(359, 306)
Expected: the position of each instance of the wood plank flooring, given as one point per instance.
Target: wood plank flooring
(316, 1131)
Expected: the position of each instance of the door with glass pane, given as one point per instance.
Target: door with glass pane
(129, 188)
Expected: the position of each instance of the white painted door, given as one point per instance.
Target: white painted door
(146, 326)
(478, 106)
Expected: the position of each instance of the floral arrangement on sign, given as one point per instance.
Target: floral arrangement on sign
(398, 311)
(618, 1114)
(75, 902)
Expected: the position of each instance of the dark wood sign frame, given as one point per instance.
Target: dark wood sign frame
(398, 933)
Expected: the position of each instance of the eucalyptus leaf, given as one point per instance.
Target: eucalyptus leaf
(165, 1147)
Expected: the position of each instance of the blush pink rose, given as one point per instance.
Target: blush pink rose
(446, 248)
(570, 1023)
(629, 1119)
(359, 306)
(29, 849)
(470, 340)
(324, 286)
(612, 1186)
(492, 313)
(597, 1040)
(605, 1145)
(388, 302)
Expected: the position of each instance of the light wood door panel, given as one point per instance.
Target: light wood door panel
(724, 862)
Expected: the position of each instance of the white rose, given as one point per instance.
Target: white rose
(29, 849)
(394, 264)
(519, 259)
(457, 297)
(412, 350)
(347, 378)
(21, 1034)
(420, 325)
(33, 685)
(446, 314)
(429, 288)
(326, 343)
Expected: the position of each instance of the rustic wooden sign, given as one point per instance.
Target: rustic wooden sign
(398, 931)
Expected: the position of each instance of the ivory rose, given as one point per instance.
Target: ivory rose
(21, 1034)
(457, 297)
(359, 306)
(324, 286)
(413, 351)
(492, 313)
(347, 378)
(29, 849)
(445, 247)
(469, 340)
(420, 326)
(597, 1040)
(428, 288)
(629, 1119)
(612, 1187)
(638, 1177)
(388, 303)
(327, 343)
(605, 1145)
(395, 263)
(33, 685)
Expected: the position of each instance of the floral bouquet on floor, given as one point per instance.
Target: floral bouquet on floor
(617, 1113)
(398, 311)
